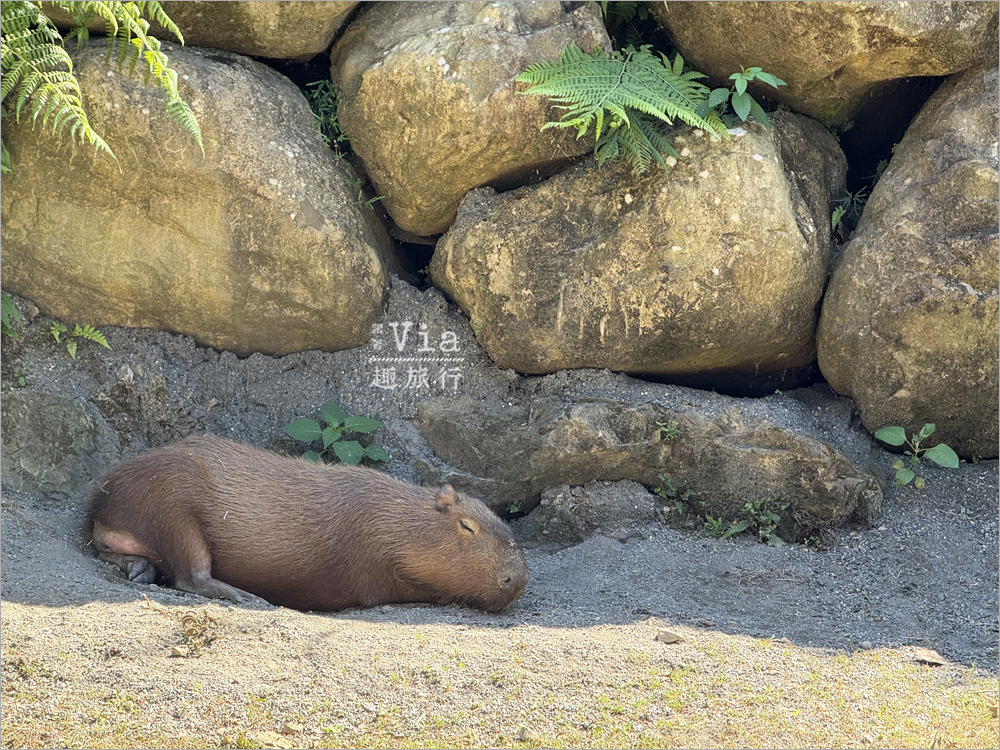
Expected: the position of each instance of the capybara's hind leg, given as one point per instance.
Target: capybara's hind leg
(138, 569)
(194, 573)
(201, 582)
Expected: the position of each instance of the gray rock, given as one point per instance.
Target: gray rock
(712, 271)
(909, 325)
(255, 246)
(568, 515)
(428, 98)
(834, 56)
(722, 457)
(51, 445)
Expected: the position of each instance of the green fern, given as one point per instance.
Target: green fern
(37, 71)
(639, 91)
(89, 333)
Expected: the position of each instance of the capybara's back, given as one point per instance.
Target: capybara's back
(221, 519)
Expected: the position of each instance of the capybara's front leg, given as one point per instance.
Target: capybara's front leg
(201, 582)
(138, 569)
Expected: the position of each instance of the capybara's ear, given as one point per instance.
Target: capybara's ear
(445, 497)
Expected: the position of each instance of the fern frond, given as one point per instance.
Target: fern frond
(91, 334)
(37, 73)
(584, 85)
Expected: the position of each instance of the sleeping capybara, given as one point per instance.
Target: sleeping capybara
(230, 521)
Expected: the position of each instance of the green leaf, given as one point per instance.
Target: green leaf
(741, 86)
(891, 435)
(717, 97)
(331, 435)
(741, 105)
(71, 348)
(769, 79)
(838, 214)
(312, 456)
(903, 476)
(376, 452)
(349, 452)
(942, 455)
(736, 527)
(361, 424)
(758, 113)
(306, 430)
(926, 431)
(332, 413)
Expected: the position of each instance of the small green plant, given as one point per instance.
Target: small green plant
(668, 431)
(634, 93)
(323, 101)
(513, 508)
(625, 95)
(940, 454)
(743, 103)
(838, 214)
(853, 204)
(86, 333)
(21, 376)
(716, 527)
(764, 519)
(9, 317)
(332, 432)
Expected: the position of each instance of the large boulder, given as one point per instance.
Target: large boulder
(285, 30)
(909, 327)
(832, 55)
(257, 245)
(278, 29)
(708, 451)
(713, 270)
(428, 98)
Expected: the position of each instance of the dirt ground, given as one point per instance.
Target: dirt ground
(778, 646)
(575, 662)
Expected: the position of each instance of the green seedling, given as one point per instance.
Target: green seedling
(940, 454)
(332, 432)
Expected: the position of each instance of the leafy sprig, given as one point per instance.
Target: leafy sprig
(940, 454)
(629, 95)
(331, 430)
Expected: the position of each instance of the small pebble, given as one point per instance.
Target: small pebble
(667, 636)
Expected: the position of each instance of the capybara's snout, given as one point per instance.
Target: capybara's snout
(512, 579)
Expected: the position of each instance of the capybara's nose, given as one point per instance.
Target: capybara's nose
(514, 578)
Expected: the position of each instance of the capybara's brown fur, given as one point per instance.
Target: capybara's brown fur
(221, 519)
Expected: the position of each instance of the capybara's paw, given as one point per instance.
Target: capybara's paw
(140, 570)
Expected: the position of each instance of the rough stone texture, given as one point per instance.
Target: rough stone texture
(52, 445)
(428, 98)
(909, 327)
(277, 29)
(714, 269)
(568, 515)
(255, 246)
(509, 454)
(832, 55)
